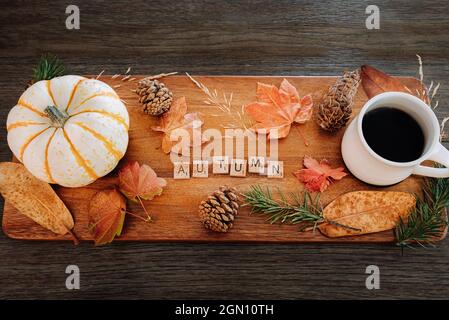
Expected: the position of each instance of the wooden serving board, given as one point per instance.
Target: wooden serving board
(175, 212)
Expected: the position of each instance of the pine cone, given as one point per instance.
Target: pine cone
(335, 108)
(218, 211)
(155, 97)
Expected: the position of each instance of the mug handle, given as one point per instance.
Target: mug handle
(441, 155)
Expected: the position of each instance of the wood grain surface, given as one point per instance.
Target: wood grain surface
(222, 37)
(175, 213)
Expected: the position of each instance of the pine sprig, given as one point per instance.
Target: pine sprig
(299, 210)
(48, 67)
(262, 202)
(428, 221)
(436, 192)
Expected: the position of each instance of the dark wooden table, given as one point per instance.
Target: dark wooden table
(221, 37)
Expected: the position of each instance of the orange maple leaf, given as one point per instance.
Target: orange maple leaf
(277, 109)
(178, 118)
(318, 175)
(140, 181)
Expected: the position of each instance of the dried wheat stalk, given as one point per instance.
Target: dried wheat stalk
(429, 94)
(224, 104)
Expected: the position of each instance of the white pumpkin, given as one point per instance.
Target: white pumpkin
(69, 130)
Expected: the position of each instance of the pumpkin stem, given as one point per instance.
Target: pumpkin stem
(58, 117)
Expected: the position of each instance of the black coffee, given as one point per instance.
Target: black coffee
(393, 134)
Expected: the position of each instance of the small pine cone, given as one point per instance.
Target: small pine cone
(218, 211)
(335, 107)
(154, 96)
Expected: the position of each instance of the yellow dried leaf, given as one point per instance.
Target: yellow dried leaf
(368, 211)
(34, 198)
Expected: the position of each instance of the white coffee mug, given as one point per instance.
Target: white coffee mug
(371, 168)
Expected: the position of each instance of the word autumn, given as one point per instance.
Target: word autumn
(234, 167)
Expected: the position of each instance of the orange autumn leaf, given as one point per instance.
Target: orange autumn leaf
(107, 210)
(138, 182)
(178, 118)
(277, 109)
(317, 176)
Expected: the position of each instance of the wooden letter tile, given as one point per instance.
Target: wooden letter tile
(220, 165)
(238, 168)
(256, 164)
(275, 169)
(200, 169)
(181, 170)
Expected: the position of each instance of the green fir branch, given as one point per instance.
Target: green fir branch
(428, 221)
(281, 211)
(48, 67)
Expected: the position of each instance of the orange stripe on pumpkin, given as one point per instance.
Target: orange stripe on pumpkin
(99, 94)
(28, 141)
(109, 146)
(72, 94)
(114, 116)
(50, 93)
(31, 108)
(47, 166)
(23, 124)
(79, 159)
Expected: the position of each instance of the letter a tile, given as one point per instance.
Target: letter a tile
(181, 170)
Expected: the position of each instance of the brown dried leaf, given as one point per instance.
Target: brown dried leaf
(369, 211)
(107, 210)
(34, 198)
(375, 82)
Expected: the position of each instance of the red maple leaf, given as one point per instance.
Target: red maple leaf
(317, 176)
